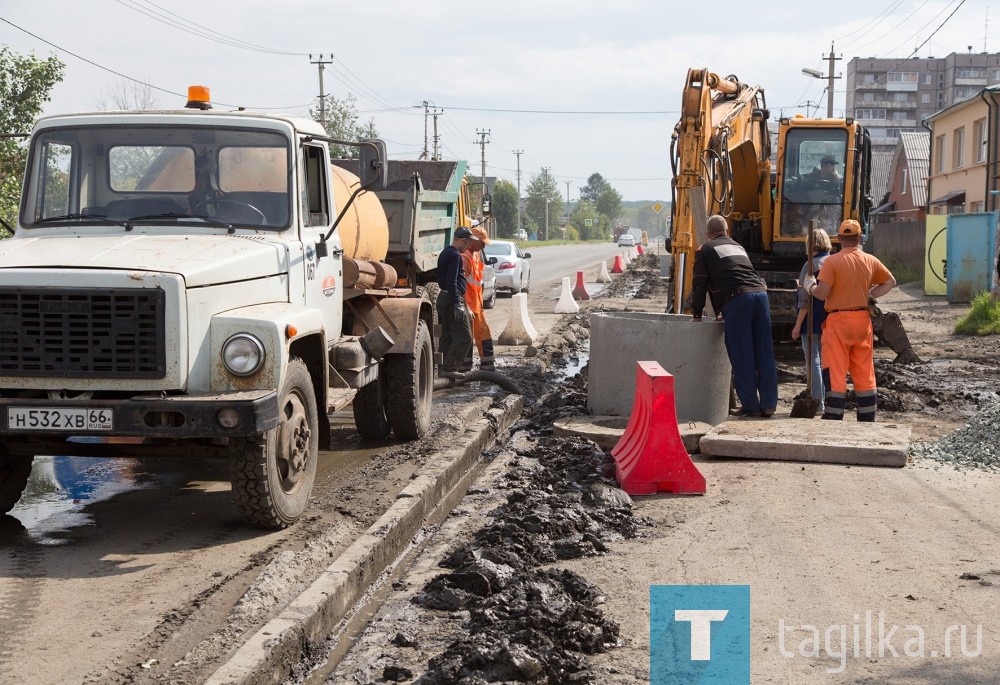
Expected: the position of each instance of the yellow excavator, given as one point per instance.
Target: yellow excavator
(721, 157)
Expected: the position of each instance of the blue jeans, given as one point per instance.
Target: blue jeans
(751, 352)
(816, 390)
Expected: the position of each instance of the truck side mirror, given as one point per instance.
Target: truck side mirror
(371, 165)
(487, 204)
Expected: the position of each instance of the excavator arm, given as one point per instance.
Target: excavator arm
(720, 153)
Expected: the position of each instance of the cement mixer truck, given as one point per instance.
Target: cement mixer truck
(210, 284)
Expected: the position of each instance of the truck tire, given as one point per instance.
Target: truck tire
(410, 383)
(369, 413)
(14, 472)
(272, 473)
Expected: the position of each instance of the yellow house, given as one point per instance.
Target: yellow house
(965, 155)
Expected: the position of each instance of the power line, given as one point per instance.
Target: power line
(879, 18)
(202, 31)
(135, 80)
(561, 111)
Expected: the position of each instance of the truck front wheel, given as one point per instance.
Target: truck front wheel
(14, 472)
(272, 473)
(409, 388)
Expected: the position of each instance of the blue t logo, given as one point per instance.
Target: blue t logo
(699, 634)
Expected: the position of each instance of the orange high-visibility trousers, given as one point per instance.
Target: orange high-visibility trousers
(847, 347)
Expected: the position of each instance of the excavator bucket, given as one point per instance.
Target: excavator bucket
(889, 329)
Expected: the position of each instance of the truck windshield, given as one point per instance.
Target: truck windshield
(812, 187)
(150, 175)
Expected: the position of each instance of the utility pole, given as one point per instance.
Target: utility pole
(482, 142)
(437, 139)
(567, 203)
(831, 63)
(545, 234)
(423, 155)
(319, 62)
(518, 154)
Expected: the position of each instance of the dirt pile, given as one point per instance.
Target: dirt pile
(528, 623)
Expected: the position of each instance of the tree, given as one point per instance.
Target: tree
(609, 204)
(25, 83)
(606, 200)
(505, 208)
(127, 94)
(543, 199)
(342, 123)
(586, 221)
(595, 186)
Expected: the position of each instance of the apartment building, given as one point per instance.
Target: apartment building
(892, 96)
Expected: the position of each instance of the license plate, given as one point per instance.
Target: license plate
(56, 418)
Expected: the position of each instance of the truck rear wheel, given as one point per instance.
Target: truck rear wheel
(272, 473)
(409, 387)
(14, 472)
(369, 412)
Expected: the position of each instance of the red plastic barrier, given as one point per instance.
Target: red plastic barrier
(650, 456)
(619, 267)
(638, 248)
(580, 291)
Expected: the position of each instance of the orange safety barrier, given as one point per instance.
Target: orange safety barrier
(580, 291)
(619, 267)
(650, 456)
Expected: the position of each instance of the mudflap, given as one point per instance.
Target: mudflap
(889, 329)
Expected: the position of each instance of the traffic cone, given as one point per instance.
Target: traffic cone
(619, 267)
(566, 303)
(519, 330)
(580, 291)
(604, 276)
(650, 456)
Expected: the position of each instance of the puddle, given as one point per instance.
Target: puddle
(60, 488)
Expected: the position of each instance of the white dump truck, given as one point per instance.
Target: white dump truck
(199, 283)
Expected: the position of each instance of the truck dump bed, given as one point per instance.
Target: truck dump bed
(421, 204)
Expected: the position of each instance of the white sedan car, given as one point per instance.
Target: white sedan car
(512, 267)
(626, 240)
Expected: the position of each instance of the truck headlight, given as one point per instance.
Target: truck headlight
(243, 354)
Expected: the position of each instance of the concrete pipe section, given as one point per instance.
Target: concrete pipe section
(694, 352)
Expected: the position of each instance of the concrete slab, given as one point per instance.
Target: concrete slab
(810, 440)
(606, 431)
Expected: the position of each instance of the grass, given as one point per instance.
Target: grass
(983, 317)
(903, 273)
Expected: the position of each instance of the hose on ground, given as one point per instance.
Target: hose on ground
(494, 377)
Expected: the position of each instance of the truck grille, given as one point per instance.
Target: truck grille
(82, 332)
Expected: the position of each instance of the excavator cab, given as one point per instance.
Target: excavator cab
(822, 176)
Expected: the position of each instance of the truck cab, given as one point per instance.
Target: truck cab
(179, 277)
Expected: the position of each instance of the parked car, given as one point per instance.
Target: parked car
(521, 235)
(489, 284)
(626, 240)
(512, 268)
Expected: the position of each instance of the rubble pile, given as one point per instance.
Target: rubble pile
(976, 445)
(528, 623)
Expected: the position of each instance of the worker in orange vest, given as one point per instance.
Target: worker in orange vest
(472, 262)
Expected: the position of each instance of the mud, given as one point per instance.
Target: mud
(508, 612)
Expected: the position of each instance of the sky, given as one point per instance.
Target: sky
(580, 87)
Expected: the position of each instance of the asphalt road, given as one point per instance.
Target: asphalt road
(114, 569)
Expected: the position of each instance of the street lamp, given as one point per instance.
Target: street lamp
(829, 89)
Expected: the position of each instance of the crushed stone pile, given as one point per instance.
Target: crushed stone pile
(976, 445)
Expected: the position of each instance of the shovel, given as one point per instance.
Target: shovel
(806, 407)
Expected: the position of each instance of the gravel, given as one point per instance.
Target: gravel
(973, 446)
